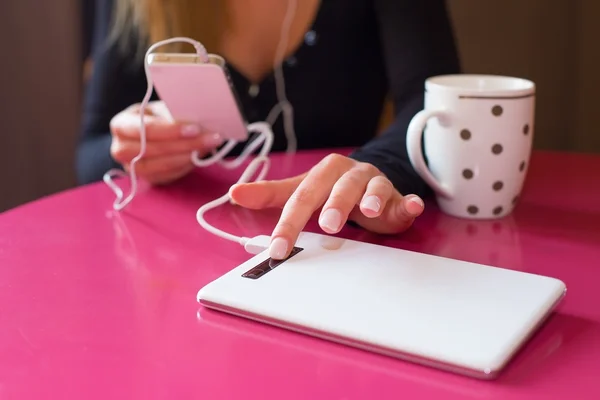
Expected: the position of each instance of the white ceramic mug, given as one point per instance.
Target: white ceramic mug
(478, 132)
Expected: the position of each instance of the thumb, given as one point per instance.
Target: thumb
(264, 194)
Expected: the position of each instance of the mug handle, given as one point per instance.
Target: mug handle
(414, 135)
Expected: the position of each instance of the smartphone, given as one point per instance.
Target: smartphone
(199, 92)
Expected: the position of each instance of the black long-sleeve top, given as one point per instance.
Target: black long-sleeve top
(354, 55)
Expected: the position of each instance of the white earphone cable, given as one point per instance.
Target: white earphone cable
(283, 105)
(250, 170)
(265, 138)
(282, 101)
(121, 202)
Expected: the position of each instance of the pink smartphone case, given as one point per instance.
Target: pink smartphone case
(200, 94)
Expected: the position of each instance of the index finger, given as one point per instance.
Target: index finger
(310, 194)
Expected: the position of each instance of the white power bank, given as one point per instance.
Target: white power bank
(458, 316)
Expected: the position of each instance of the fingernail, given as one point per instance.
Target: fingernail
(331, 220)
(213, 140)
(231, 188)
(415, 205)
(278, 248)
(190, 130)
(371, 203)
(417, 200)
(231, 201)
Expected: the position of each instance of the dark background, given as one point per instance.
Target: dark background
(44, 45)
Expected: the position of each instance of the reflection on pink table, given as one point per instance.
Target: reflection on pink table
(98, 304)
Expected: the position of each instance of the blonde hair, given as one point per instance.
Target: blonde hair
(139, 23)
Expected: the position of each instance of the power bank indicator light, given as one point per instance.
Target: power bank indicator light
(268, 265)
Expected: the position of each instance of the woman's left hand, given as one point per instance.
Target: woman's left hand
(344, 189)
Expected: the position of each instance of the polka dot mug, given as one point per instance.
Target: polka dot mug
(477, 132)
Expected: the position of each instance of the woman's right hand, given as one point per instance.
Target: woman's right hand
(169, 144)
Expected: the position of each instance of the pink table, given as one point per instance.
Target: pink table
(100, 306)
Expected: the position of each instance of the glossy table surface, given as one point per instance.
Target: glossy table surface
(99, 305)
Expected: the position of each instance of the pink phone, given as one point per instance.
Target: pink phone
(198, 92)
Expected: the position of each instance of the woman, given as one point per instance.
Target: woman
(342, 59)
